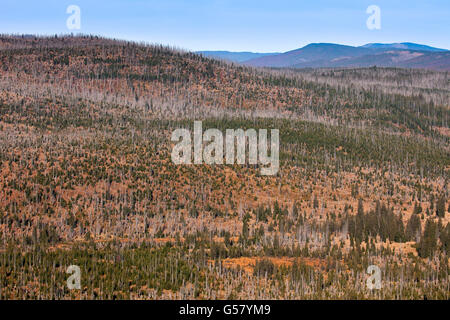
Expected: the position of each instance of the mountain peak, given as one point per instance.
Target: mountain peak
(325, 45)
(402, 45)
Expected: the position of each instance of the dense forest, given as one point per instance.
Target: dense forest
(86, 177)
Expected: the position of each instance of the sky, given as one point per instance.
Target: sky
(236, 25)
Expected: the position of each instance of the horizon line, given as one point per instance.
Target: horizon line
(47, 35)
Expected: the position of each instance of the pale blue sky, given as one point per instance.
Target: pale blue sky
(237, 25)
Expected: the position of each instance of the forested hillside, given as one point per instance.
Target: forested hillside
(86, 177)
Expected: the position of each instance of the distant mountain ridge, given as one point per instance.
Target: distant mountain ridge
(403, 45)
(318, 55)
(235, 56)
(310, 52)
